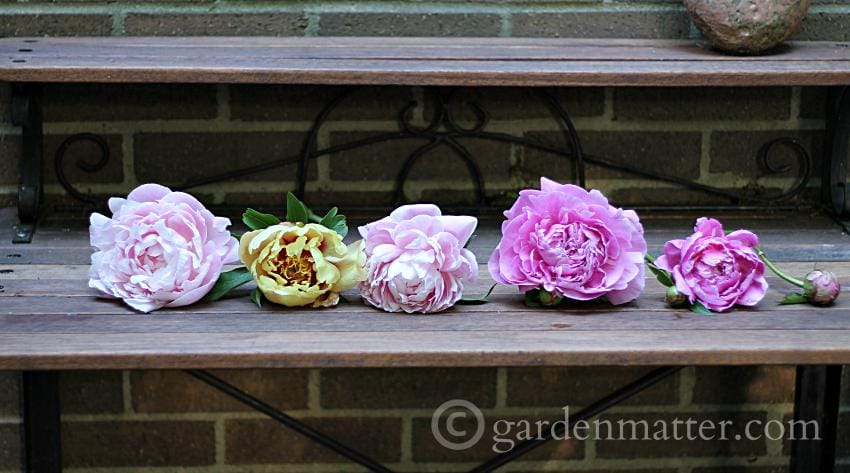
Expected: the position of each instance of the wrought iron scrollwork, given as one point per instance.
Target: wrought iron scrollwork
(60, 158)
(444, 129)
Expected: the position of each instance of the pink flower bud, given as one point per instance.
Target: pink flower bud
(821, 287)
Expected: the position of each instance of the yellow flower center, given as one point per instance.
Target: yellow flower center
(295, 269)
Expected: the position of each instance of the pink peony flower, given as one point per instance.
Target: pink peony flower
(716, 269)
(571, 243)
(416, 260)
(821, 287)
(159, 249)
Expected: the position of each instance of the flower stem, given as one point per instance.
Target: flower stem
(776, 270)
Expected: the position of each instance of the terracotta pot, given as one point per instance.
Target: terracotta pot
(747, 26)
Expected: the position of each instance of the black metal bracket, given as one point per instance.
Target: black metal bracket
(818, 392)
(836, 194)
(444, 130)
(41, 432)
(26, 113)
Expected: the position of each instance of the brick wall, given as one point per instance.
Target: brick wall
(708, 135)
(163, 421)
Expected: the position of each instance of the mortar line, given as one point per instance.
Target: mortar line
(501, 387)
(126, 393)
(314, 395)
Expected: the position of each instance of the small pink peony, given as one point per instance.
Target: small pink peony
(716, 269)
(416, 260)
(571, 243)
(159, 249)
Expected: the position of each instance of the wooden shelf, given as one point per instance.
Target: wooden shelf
(416, 61)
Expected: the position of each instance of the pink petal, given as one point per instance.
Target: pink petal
(148, 193)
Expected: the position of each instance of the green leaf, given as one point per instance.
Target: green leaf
(258, 220)
(335, 222)
(700, 309)
(296, 211)
(664, 277)
(257, 297)
(476, 300)
(794, 298)
(227, 282)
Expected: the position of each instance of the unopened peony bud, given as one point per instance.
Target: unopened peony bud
(549, 299)
(675, 298)
(821, 287)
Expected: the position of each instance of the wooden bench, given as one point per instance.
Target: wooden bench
(49, 320)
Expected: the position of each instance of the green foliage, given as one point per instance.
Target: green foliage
(296, 211)
(664, 277)
(257, 297)
(227, 282)
(335, 222)
(257, 220)
(700, 309)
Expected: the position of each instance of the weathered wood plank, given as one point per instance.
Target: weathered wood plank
(415, 61)
(426, 348)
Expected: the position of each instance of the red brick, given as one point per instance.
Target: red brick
(727, 103)
(91, 392)
(55, 24)
(680, 448)
(844, 435)
(9, 385)
(674, 153)
(608, 24)
(80, 152)
(383, 161)
(10, 447)
(303, 103)
(174, 158)
(108, 102)
(409, 24)
(253, 441)
(824, 26)
(175, 391)
(509, 104)
(10, 154)
(662, 197)
(222, 24)
(426, 447)
(84, 152)
(414, 388)
(813, 102)
(581, 386)
(737, 151)
(742, 385)
(137, 443)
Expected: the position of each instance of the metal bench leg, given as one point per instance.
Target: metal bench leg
(817, 399)
(835, 192)
(26, 113)
(41, 432)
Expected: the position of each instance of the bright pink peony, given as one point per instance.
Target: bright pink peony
(159, 249)
(416, 260)
(571, 243)
(716, 269)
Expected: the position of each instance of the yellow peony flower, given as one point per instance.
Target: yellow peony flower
(299, 265)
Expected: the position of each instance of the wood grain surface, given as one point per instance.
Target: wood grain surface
(416, 61)
(50, 319)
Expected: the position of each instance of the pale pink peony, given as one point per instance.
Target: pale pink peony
(571, 243)
(416, 260)
(715, 269)
(159, 249)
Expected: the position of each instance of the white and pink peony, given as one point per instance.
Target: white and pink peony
(416, 260)
(159, 249)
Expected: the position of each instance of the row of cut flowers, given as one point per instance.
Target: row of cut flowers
(559, 244)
